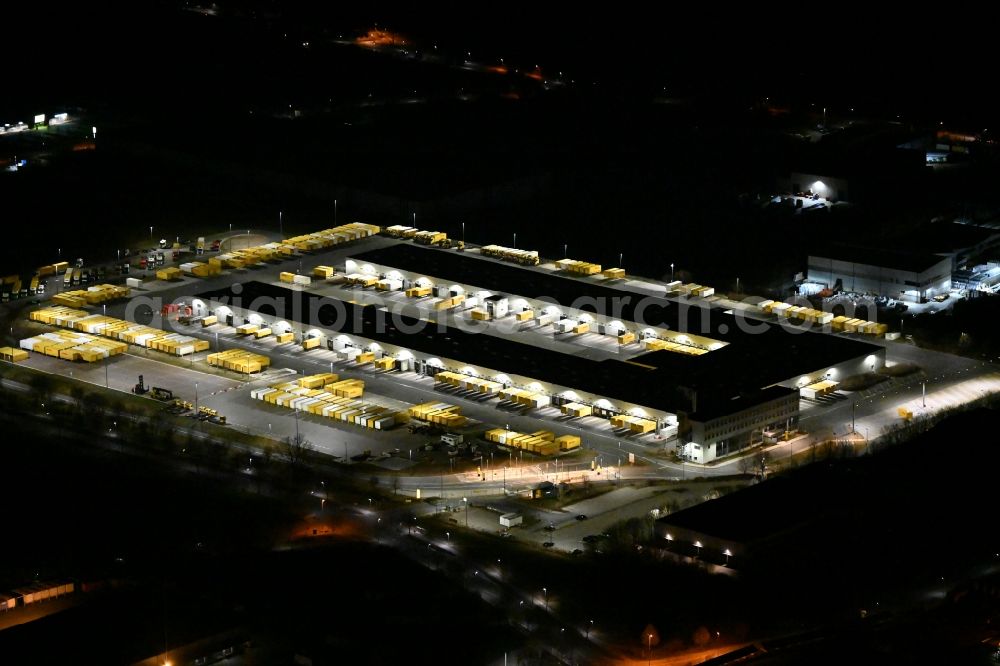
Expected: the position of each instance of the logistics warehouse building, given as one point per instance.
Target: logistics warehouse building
(718, 398)
(903, 275)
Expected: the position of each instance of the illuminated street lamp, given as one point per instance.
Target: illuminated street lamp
(545, 591)
(466, 500)
(671, 271)
(151, 233)
(728, 553)
(697, 544)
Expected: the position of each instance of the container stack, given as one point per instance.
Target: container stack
(523, 257)
(388, 284)
(468, 382)
(656, 344)
(438, 413)
(543, 442)
(401, 231)
(524, 397)
(839, 324)
(576, 410)
(324, 272)
(691, 289)
(238, 360)
(430, 237)
(73, 346)
(633, 423)
(319, 240)
(121, 330)
(419, 292)
(614, 273)
(362, 279)
(168, 274)
(13, 355)
(101, 293)
(449, 303)
(575, 267)
(323, 395)
(199, 269)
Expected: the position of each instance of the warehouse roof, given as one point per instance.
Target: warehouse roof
(585, 295)
(914, 262)
(659, 380)
(737, 516)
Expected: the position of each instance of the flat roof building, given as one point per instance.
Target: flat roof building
(912, 276)
(744, 381)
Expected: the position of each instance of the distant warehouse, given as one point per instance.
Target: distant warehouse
(744, 384)
(908, 276)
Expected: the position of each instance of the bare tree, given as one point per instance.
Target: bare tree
(41, 387)
(296, 448)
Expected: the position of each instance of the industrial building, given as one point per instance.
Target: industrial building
(716, 383)
(908, 276)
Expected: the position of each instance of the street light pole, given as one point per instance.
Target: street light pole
(671, 272)
(334, 212)
(196, 398)
(281, 224)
